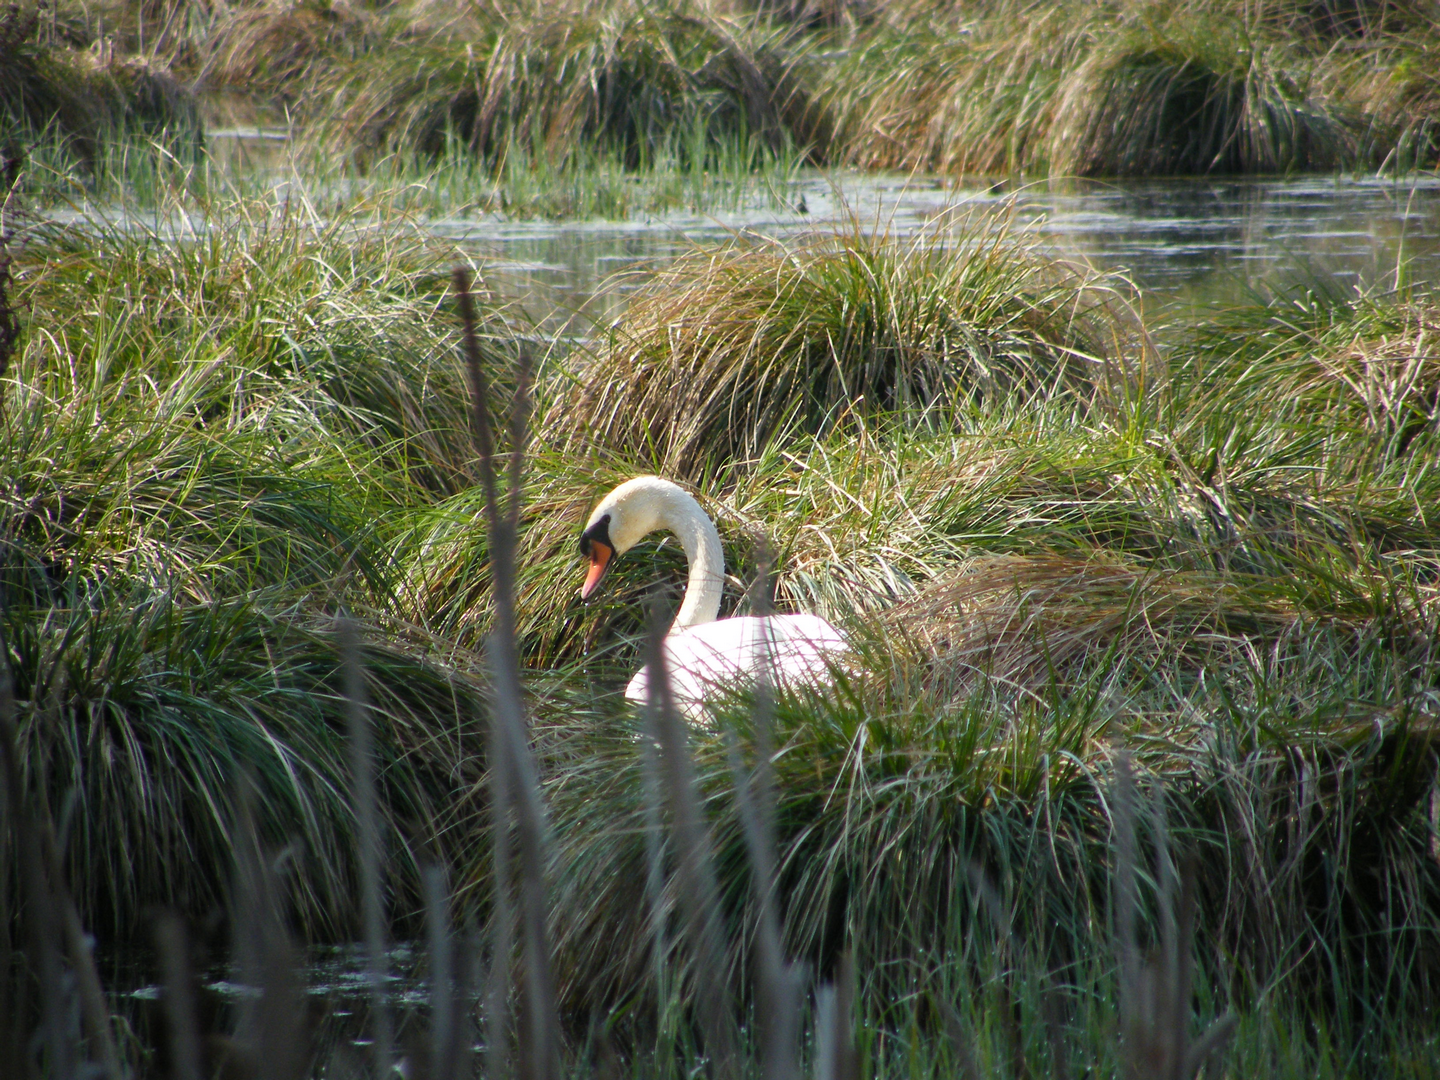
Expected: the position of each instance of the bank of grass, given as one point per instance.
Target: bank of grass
(1133, 89)
(625, 108)
(727, 351)
(1296, 776)
(1057, 89)
(77, 101)
(209, 438)
(629, 78)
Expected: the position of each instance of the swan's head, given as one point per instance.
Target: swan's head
(636, 507)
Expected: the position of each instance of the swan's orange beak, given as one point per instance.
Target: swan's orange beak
(600, 555)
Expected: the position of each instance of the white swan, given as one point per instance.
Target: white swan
(705, 657)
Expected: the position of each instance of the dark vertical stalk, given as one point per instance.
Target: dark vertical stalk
(655, 871)
(13, 981)
(777, 983)
(271, 1026)
(443, 1002)
(835, 1056)
(1123, 902)
(1155, 997)
(38, 911)
(178, 986)
(367, 816)
(520, 785)
(502, 921)
(94, 1011)
(699, 893)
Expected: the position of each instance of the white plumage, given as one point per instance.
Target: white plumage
(706, 657)
(708, 660)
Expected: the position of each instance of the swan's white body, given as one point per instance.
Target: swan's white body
(706, 657)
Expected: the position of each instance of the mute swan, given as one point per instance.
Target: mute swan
(705, 656)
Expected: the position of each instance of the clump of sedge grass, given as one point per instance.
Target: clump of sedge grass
(1362, 368)
(1193, 97)
(1129, 89)
(620, 75)
(733, 349)
(82, 99)
(198, 475)
(276, 50)
(952, 96)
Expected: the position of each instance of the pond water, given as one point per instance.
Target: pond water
(1183, 243)
(335, 997)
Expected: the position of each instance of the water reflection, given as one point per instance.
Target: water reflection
(1193, 241)
(1187, 242)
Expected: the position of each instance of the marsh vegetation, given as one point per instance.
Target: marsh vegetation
(538, 96)
(1135, 759)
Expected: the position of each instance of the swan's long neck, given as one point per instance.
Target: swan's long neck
(701, 542)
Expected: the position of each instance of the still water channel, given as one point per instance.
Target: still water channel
(1184, 243)
(1181, 242)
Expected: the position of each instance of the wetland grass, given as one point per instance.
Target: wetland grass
(79, 101)
(1130, 89)
(1224, 559)
(623, 109)
(195, 478)
(626, 77)
(687, 171)
(728, 351)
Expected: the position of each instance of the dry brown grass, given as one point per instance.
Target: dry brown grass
(280, 47)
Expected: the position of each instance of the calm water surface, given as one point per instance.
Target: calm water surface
(1184, 242)
(1181, 242)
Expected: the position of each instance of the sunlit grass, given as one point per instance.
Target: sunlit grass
(725, 352)
(204, 461)
(230, 423)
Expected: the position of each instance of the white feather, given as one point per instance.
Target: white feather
(715, 658)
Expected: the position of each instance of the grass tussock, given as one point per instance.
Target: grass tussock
(274, 50)
(727, 352)
(631, 78)
(1200, 101)
(1132, 89)
(1363, 366)
(198, 476)
(1026, 621)
(82, 99)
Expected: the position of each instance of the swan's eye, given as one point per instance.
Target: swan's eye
(599, 531)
